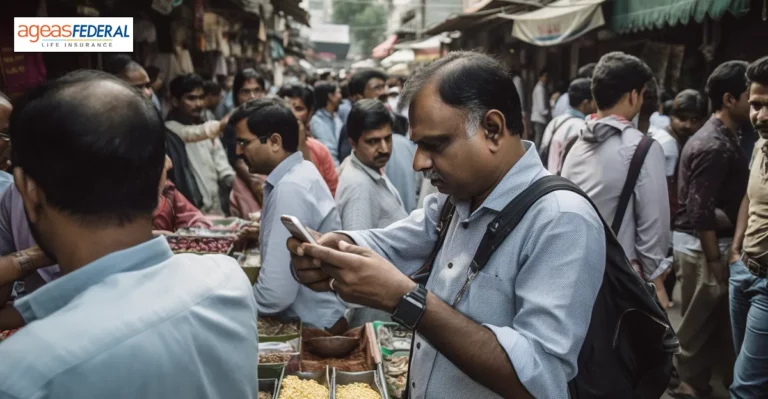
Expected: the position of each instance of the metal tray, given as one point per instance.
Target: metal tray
(322, 377)
(269, 385)
(371, 378)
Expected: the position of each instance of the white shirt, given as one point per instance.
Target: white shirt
(539, 104)
(669, 145)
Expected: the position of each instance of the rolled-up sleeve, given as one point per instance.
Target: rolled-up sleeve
(563, 265)
(406, 243)
(651, 204)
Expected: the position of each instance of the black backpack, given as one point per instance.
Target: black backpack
(628, 350)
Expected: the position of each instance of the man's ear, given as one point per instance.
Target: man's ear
(30, 193)
(174, 102)
(494, 124)
(275, 142)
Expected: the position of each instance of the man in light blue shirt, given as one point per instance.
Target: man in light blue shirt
(326, 124)
(268, 139)
(515, 328)
(127, 318)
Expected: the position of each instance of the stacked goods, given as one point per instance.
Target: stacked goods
(356, 390)
(269, 327)
(395, 343)
(396, 373)
(200, 245)
(359, 358)
(272, 358)
(394, 337)
(295, 388)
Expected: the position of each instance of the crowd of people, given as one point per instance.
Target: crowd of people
(400, 183)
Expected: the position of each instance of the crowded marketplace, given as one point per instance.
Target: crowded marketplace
(384, 199)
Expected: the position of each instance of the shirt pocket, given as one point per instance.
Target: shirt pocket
(489, 300)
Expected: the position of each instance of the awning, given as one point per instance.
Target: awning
(428, 44)
(479, 14)
(558, 22)
(292, 9)
(397, 57)
(384, 48)
(636, 15)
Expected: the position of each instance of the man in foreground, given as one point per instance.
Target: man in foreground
(268, 141)
(515, 328)
(127, 315)
(749, 273)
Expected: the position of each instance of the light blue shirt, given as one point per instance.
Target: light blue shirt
(294, 188)
(344, 108)
(536, 293)
(6, 179)
(327, 129)
(562, 105)
(400, 171)
(137, 323)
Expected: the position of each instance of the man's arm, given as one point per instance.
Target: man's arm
(651, 204)
(18, 265)
(223, 168)
(195, 133)
(741, 229)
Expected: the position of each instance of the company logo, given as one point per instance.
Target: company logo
(73, 35)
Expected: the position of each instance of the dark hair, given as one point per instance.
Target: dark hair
(118, 64)
(728, 77)
(153, 72)
(184, 84)
(93, 145)
(578, 91)
(211, 87)
(666, 107)
(668, 95)
(586, 71)
(344, 86)
(325, 75)
(616, 75)
(304, 92)
(367, 115)
(543, 71)
(689, 102)
(471, 82)
(243, 76)
(360, 79)
(757, 72)
(322, 91)
(268, 116)
(650, 98)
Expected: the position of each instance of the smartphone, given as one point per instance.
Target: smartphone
(293, 224)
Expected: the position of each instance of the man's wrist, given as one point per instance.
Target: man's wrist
(401, 291)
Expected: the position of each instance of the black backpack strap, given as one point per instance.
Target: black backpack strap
(635, 165)
(446, 214)
(567, 149)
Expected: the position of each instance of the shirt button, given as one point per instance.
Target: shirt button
(450, 265)
(413, 385)
(464, 224)
(418, 345)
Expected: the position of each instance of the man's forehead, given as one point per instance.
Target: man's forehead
(195, 93)
(375, 82)
(758, 91)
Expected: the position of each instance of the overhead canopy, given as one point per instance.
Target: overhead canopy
(292, 9)
(558, 22)
(429, 44)
(384, 48)
(636, 15)
(399, 56)
(479, 14)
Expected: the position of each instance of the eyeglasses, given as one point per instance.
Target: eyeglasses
(242, 143)
(5, 137)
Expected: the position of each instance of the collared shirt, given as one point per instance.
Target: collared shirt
(756, 236)
(327, 129)
(137, 323)
(400, 171)
(540, 104)
(294, 188)
(6, 181)
(713, 174)
(344, 108)
(366, 198)
(568, 127)
(536, 293)
(599, 163)
(670, 146)
(14, 230)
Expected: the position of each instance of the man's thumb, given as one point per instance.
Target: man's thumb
(352, 249)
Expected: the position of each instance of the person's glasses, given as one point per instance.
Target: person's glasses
(5, 137)
(242, 143)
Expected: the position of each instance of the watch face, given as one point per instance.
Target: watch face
(408, 312)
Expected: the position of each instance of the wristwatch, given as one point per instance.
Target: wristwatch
(411, 307)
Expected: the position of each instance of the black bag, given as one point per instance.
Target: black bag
(628, 350)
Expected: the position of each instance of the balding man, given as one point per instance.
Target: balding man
(127, 318)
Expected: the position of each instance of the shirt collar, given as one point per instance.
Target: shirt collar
(723, 129)
(376, 176)
(284, 167)
(517, 179)
(575, 112)
(53, 296)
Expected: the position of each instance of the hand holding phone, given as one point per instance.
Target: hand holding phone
(294, 226)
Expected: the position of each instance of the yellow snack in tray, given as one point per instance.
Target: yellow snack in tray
(295, 388)
(357, 390)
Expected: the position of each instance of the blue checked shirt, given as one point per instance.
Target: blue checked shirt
(536, 293)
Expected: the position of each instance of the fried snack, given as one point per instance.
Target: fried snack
(265, 395)
(268, 358)
(295, 388)
(357, 390)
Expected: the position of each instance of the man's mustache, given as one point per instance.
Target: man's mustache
(432, 175)
(382, 156)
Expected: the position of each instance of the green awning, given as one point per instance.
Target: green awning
(635, 15)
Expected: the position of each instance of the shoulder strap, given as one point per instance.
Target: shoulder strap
(498, 230)
(446, 214)
(635, 165)
(554, 131)
(567, 149)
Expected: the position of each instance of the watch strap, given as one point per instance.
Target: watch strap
(417, 298)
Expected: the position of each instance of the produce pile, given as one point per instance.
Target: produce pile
(295, 388)
(356, 391)
(396, 374)
(270, 358)
(395, 338)
(200, 245)
(360, 359)
(265, 395)
(269, 327)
